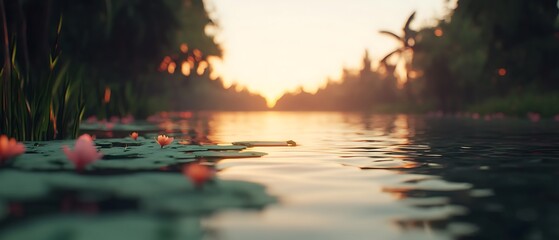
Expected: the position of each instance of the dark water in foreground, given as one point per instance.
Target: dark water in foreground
(362, 176)
(365, 176)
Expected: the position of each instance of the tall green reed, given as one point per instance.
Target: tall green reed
(43, 103)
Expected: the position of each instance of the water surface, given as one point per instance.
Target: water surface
(363, 176)
(351, 176)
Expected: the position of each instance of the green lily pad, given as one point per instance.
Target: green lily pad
(176, 135)
(228, 154)
(49, 156)
(107, 227)
(224, 147)
(43, 161)
(190, 148)
(266, 143)
(23, 190)
(157, 192)
(130, 127)
(133, 164)
(123, 142)
(3, 210)
(219, 195)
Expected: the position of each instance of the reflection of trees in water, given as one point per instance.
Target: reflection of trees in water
(200, 129)
(195, 127)
(511, 165)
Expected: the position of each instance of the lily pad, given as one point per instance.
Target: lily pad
(133, 164)
(42, 161)
(224, 147)
(108, 227)
(3, 210)
(220, 195)
(266, 143)
(228, 154)
(190, 148)
(123, 142)
(49, 155)
(24, 189)
(130, 127)
(156, 192)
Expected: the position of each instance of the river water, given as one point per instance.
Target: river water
(366, 176)
(351, 176)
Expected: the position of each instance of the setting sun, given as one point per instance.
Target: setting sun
(274, 47)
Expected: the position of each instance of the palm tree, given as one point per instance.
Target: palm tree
(404, 53)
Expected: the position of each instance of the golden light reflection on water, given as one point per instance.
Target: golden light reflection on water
(321, 178)
(350, 171)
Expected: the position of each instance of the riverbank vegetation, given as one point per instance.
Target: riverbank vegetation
(65, 60)
(471, 60)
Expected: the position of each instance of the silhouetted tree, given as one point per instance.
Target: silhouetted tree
(403, 54)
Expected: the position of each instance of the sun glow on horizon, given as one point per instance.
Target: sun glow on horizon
(274, 47)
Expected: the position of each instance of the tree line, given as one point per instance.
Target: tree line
(64, 59)
(484, 56)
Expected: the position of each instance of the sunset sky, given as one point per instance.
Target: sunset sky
(273, 46)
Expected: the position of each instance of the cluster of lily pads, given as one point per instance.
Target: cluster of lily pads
(50, 188)
(126, 154)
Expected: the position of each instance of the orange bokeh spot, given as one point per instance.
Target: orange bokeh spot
(185, 114)
(107, 97)
(214, 75)
(438, 32)
(171, 68)
(165, 63)
(184, 48)
(191, 61)
(163, 66)
(502, 72)
(202, 67)
(198, 54)
(412, 74)
(185, 68)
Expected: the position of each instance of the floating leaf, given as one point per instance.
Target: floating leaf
(266, 143)
(151, 189)
(49, 155)
(136, 164)
(228, 154)
(136, 226)
(128, 127)
(220, 195)
(224, 147)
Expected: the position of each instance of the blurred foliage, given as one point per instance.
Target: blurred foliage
(121, 44)
(42, 96)
(520, 104)
(116, 49)
(487, 56)
(402, 56)
(356, 90)
(188, 84)
(476, 55)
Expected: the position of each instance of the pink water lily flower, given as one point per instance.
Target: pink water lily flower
(10, 148)
(198, 174)
(163, 140)
(134, 135)
(84, 152)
